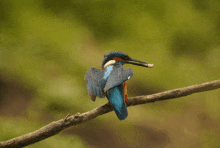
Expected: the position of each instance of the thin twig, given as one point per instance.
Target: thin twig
(57, 126)
(65, 119)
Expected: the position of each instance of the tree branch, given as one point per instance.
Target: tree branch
(55, 127)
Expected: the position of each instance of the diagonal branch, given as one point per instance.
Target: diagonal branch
(55, 127)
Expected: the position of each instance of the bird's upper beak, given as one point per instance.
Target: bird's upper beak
(138, 62)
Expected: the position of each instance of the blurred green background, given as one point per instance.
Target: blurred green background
(47, 46)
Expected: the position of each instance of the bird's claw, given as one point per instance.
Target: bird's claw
(126, 98)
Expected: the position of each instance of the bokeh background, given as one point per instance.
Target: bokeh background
(46, 47)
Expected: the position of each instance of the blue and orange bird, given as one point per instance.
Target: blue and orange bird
(111, 81)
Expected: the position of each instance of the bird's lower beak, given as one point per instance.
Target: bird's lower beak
(138, 63)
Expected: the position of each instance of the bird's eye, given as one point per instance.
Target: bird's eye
(127, 58)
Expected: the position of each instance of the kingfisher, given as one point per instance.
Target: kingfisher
(111, 80)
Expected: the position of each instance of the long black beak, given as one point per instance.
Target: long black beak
(138, 63)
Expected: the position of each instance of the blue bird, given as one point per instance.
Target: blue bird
(111, 81)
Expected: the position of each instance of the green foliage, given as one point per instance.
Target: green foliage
(47, 46)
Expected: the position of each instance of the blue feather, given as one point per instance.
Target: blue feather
(116, 97)
(118, 76)
(108, 71)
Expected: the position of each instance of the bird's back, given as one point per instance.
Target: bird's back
(116, 97)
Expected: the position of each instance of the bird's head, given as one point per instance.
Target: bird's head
(120, 58)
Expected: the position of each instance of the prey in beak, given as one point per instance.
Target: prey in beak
(138, 63)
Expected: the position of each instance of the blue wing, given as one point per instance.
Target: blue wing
(95, 83)
(116, 97)
(117, 76)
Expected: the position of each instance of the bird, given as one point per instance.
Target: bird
(111, 80)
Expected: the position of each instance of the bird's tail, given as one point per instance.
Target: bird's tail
(116, 98)
(122, 112)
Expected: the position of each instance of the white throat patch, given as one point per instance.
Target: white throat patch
(111, 62)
